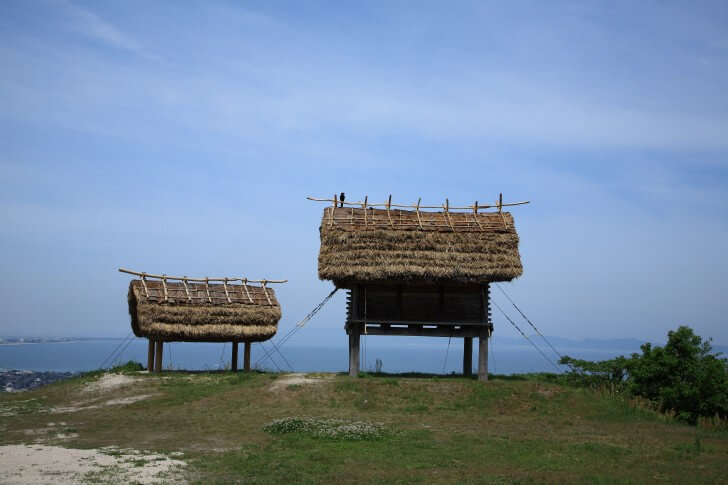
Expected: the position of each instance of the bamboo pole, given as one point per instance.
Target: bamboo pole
(401, 206)
(187, 290)
(194, 280)
(417, 211)
(389, 215)
(475, 215)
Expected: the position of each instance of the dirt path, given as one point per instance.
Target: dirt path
(57, 465)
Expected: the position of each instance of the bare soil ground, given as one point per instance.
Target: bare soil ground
(33, 464)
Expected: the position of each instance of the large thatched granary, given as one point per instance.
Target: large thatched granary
(181, 309)
(418, 272)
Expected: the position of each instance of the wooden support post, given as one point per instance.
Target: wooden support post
(246, 357)
(354, 350)
(158, 356)
(150, 356)
(483, 355)
(234, 362)
(468, 356)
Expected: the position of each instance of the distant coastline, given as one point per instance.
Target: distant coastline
(51, 340)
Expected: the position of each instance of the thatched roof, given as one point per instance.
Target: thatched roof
(376, 245)
(202, 312)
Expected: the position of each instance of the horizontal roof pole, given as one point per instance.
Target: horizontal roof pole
(197, 280)
(417, 207)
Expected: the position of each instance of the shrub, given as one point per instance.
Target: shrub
(130, 366)
(683, 376)
(606, 373)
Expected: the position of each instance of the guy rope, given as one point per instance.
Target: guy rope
(292, 332)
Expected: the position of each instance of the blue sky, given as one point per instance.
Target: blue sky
(184, 139)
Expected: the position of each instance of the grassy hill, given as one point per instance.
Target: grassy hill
(433, 429)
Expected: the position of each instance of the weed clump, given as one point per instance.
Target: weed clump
(335, 429)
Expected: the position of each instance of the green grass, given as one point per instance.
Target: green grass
(438, 430)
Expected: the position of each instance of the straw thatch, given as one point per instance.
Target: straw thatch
(371, 245)
(202, 313)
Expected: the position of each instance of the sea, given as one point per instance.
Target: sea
(390, 355)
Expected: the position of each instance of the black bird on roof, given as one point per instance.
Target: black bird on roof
(341, 198)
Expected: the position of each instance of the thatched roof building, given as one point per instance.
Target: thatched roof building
(202, 312)
(378, 245)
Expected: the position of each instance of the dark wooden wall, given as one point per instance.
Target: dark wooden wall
(433, 304)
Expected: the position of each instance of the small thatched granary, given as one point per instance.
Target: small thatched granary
(181, 309)
(418, 272)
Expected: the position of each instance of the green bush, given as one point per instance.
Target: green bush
(606, 373)
(683, 376)
(130, 366)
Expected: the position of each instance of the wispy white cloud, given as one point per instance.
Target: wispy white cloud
(88, 24)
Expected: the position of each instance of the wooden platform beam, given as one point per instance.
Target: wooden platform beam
(426, 330)
(158, 356)
(246, 357)
(150, 356)
(468, 356)
(234, 361)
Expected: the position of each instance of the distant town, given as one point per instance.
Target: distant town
(48, 340)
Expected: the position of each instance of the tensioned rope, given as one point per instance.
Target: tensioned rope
(529, 321)
(221, 364)
(446, 352)
(525, 336)
(282, 357)
(121, 352)
(114, 351)
(292, 332)
(268, 354)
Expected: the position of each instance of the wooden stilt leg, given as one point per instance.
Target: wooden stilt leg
(246, 357)
(354, 351)
(158, 356)
(234, 362)
(150, 356)
(483, 356)
(468, 356)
